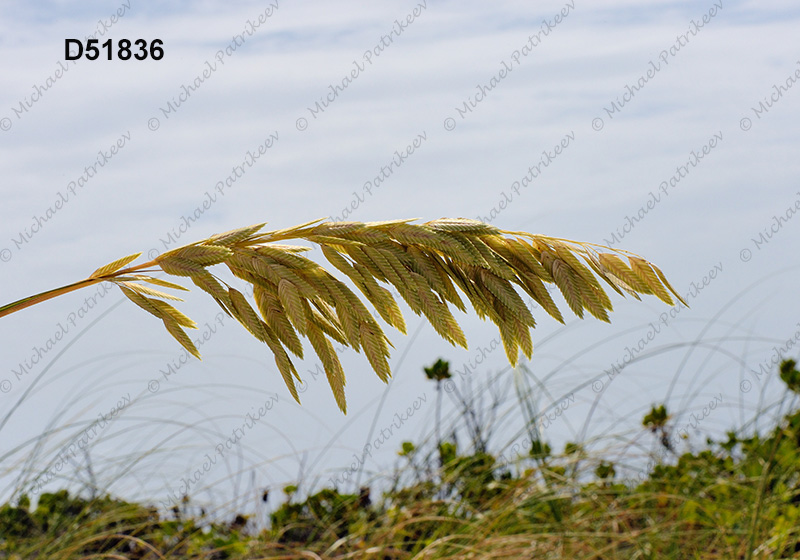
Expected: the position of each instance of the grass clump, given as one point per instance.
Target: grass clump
(735, 498)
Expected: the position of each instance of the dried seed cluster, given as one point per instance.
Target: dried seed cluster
(295, 297)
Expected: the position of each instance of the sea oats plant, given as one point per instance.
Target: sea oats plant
(425, 262)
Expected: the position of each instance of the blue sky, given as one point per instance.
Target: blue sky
(416, 82)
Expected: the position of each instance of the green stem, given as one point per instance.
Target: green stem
(10, 308)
